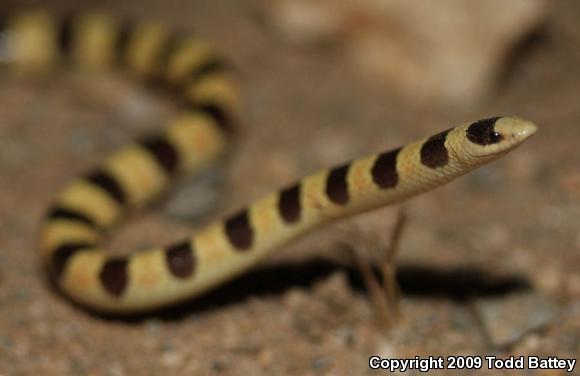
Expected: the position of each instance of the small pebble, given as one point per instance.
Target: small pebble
(172, 359)
(321, 363)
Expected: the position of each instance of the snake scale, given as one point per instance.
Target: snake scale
(72, 232)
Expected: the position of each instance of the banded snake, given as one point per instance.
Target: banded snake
(71, 237)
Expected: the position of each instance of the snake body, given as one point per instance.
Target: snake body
(72, 233)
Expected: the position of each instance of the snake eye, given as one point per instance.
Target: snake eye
(482, 132)
(494, 137)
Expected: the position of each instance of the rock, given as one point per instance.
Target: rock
(448, 51)
(307, 21)
(507, 319)
(195, 197)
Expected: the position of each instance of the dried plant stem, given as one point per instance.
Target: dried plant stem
(371, 255)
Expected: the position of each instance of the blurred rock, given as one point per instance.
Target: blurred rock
(195, 197)
(309, 21)
(507, 319)
(448, 51)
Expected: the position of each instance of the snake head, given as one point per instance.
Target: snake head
(493, 137)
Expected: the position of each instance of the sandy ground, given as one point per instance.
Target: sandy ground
(489, 265)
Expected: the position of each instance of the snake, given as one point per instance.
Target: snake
(72, 233)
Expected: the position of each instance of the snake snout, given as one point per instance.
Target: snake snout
(516, 129)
